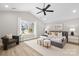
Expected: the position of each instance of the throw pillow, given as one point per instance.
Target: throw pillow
(9, 36)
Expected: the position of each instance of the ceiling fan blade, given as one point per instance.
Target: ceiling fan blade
(38, 8)
(44, 5)
(47, 6)
(49, 11)
(39, 12)
(44, 13)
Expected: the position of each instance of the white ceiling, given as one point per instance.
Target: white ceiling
(62, 11)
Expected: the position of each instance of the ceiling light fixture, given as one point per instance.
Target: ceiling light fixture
(6, 6)
(74, 11)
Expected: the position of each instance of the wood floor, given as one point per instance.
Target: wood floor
(68, 50)
(20, 50)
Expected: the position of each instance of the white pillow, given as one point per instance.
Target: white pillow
(60, 34)
(9, 36)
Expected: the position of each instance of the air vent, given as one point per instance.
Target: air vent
(13, 8)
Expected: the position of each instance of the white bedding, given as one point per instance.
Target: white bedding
(57, 39)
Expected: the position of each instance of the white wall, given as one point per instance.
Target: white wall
(9, 21)
(69, 23)
(73, 23)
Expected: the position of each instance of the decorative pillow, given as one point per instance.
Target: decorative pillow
(60, 34)
(9, 36)
(52, 34)
(56, 33)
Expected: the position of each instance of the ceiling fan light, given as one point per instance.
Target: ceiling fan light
(45, 9)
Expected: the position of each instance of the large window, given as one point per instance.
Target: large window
(26, 27)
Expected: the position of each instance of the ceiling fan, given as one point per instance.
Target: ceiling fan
(45, 9)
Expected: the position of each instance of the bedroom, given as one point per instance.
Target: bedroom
(64, 17)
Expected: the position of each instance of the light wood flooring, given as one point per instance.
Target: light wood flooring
(20, 50)
(68, 50)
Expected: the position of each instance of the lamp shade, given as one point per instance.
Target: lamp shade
(72, 29)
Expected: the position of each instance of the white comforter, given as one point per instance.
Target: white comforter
(57, 39)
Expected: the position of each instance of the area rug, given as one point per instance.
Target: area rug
(68, 50)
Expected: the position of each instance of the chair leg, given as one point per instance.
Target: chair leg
(17, 43)
(5, 47)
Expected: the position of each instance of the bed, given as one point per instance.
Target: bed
(60, 39)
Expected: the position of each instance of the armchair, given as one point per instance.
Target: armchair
(6, 41)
